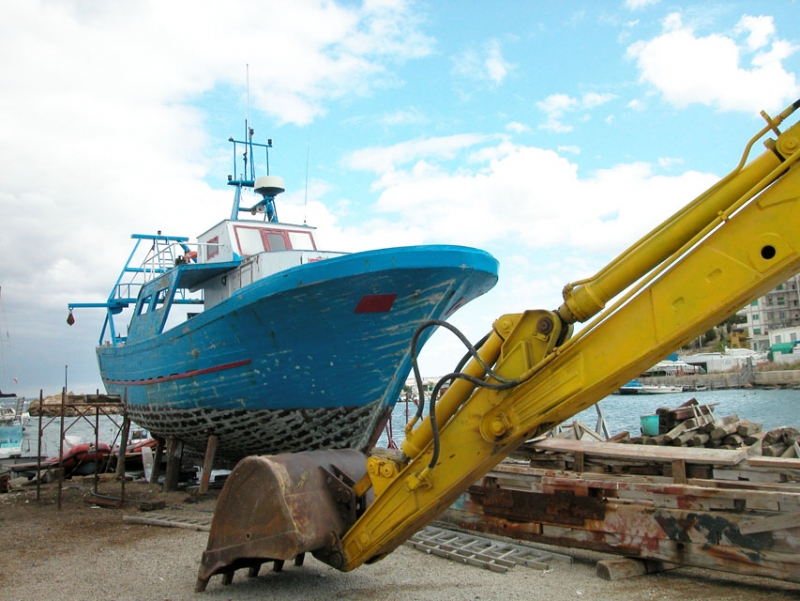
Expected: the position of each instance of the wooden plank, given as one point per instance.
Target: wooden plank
(782, 462)
(651, 453)
(536, 479)
(770, 524)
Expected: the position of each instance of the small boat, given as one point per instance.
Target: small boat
(10, 440)
(81, 459)
(255, 335)
(636, 387)
(12, 429)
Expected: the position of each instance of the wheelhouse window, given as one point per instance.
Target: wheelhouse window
(254, 240)
(212, 250)
(144, 305)
(302, 241)
(161, 298)
(250, 241)
(276, 241)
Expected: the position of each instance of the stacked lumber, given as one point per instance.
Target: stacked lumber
(695, 425)
(709, 508)
(76, 405)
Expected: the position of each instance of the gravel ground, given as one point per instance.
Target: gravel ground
(84, 552)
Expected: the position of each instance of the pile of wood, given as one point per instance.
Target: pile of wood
(76, 404)
(695, 425)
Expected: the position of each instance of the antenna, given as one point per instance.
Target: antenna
(305, 199)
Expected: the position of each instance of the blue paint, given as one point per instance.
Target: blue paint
(283, 333)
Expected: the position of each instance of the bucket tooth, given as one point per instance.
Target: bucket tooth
(279, 507)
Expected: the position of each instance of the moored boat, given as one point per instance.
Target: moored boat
(258, 337)
(10, 440)
(636, 387)
(12, 427)
(81, 459)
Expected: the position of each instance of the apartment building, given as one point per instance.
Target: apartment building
(778, 309)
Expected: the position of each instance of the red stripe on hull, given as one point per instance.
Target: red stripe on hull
(188, 374)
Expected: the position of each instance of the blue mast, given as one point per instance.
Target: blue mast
(268, 186)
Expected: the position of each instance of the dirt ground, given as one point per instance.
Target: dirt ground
(83, 551)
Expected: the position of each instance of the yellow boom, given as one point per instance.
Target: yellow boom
(732, 244)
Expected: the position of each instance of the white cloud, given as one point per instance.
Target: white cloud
(686, 68)
(487, 65)
(385, 159)
(101, 137)
(760, 30)
(637, 4)
(557, 106)
(554, 106)
(405, 117)
(669, 162)
(532, 198)
(517, 127)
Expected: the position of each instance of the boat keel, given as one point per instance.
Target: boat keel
(279, 507)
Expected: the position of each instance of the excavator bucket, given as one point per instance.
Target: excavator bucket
(279, 507)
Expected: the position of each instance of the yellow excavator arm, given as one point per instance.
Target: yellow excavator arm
(730, 245)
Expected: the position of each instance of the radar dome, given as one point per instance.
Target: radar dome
(269, 185)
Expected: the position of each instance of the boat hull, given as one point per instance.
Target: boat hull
(314, 357)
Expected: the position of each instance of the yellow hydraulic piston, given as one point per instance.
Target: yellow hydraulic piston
(586, 298)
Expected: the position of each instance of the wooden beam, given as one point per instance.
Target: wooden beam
(679, 471)
(653, 453)
(174, 451)
(208, 463)
(770, 524)
(782, 462)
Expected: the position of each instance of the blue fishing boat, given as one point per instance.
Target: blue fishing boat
(255, 335)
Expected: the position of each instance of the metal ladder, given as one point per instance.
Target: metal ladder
(487, 553)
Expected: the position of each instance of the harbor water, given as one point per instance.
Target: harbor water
(771, 408)
(81, 429)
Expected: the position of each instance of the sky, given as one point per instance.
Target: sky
(551, 134)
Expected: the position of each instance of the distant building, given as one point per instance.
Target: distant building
(778, 309)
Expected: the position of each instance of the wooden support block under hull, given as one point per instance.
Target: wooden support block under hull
(620, 569)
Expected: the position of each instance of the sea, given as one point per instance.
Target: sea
(771, 408)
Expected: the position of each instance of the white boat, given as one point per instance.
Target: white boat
(636, 387)
(10, 433)
(732, 358)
